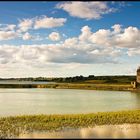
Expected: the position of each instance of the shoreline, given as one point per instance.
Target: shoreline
(110, 87)
(13, 126)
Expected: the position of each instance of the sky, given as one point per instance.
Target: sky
(69, 38)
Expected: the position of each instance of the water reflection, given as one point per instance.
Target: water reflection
(137, 97)
(105, 131)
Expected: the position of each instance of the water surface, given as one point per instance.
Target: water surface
(23, 82)
(63, 101)
(104, 131)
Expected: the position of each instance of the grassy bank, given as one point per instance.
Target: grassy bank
(13, 126)
(90, 86)
(115, 87)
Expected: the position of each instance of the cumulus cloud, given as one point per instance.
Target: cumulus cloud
(25, 25)
(7, 31)
(54, 36)
(7, 53)
(117, 28)
(71, 42)
(87, 10)
(86, 33)
(36, 55)
(101, 37)
(7, 27)
(49, 22)
(128, 37)
(7, 35)
(40, 22)
(12, 31)
(102, 46)
(27, 36)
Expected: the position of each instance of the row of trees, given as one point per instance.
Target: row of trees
(74, 79)
(108, 79)
(64, 79)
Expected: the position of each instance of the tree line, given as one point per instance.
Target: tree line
(107, 79)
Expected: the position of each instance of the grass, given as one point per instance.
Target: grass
(95, 81)
(11, 127)
(90, 86)
(116, 87)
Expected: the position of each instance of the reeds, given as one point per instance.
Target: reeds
(11, 127)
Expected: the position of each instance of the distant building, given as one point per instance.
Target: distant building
(138, 76)
(136, 84)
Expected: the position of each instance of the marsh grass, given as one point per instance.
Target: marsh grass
(87, 86)
(13, 126)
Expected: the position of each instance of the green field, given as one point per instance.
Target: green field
(11, 127)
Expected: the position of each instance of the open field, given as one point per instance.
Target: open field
(14, 126)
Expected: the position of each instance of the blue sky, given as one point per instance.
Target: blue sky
(58, 39)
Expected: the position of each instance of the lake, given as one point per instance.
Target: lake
(63, 101)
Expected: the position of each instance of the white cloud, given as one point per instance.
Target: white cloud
(49, 22)
(40, 22)
(117, 28)
(7, 31)
(42, 54)
(119, 38)
(11, 27)
(7, 53)
(101, 37)
(7, 27)
(133, 51)
(25, 25)
(27, 36)
(86, 33)
(71, 42)
(100, 47)
(12, 31)
(87, 10)
(129, 38)
(54, 36)
(7, 35)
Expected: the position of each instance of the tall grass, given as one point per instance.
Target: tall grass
(11, 127)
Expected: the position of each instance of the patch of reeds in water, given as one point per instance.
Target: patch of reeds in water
(13, 126)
